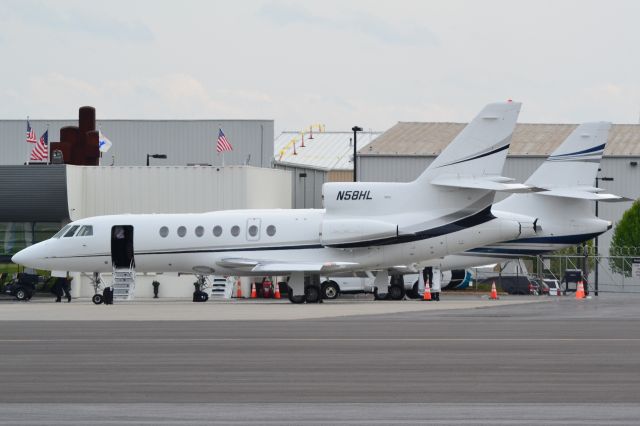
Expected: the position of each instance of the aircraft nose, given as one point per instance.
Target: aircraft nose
(24, 257)
(19, 257)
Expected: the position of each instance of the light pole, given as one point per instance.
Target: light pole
(155, 156)
(595, 283)
(355, 129)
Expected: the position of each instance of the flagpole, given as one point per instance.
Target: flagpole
(28, 151)
(48, 146)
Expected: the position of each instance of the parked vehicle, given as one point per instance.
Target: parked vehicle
(554, 287)
(22, 286)
(363, 282)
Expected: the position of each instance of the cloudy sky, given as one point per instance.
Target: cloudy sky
(334, 62)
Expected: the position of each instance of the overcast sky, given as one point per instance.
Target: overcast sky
(339, 63)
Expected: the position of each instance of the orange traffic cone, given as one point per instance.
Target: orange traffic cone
(253, 291)
(580, 291)
(276, 293)
(239, 290)
(494, 292)
(427, 291)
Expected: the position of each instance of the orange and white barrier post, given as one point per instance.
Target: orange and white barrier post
(254, 294)
(238, 289)
(427, 291)
(580, 291)
(276, 291)
(494, 292)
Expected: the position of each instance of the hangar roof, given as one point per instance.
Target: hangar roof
(326, 151)
(429, 139)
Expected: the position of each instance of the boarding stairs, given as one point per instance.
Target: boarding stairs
(124, 282)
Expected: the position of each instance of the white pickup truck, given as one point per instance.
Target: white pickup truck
(362, 282)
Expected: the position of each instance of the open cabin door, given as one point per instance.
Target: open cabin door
(122, 246)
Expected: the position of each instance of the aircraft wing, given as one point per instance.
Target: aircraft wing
(276, 266)
(493, 183)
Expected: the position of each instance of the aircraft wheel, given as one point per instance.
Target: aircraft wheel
(97, 299)
(205, 297)
(312, 294)
(376, 296)
(396, 292)
(413, 292)
(330, 290)
(295, 299)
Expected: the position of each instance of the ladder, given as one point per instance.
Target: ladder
(124, 283)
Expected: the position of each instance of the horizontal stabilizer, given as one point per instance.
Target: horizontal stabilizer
(492, 183)
(587, 193)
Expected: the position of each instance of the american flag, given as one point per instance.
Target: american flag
(223, 144)
(31, 134)
(40, 152)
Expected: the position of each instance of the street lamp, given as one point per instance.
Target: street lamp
(164, 156)
(595, 286)
(355, 129)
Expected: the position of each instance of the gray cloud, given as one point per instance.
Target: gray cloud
(398, 33)
(38, 14)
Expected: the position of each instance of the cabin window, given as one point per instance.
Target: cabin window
(85, 231)
(235, 230)
(253, 230)
(217, 230)
(271, 230)
(61, 232)
(164, 231)
(71, 231)
(182, 231)
(199, 231)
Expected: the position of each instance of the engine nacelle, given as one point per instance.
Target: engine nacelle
(345, 231)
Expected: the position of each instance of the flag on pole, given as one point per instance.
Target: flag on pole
(104, 144)
(31, 134)
(40, 152)
(223, 144)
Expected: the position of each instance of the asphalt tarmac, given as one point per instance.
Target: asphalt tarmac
(558, 362)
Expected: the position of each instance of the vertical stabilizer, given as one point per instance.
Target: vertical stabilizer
(480, 149)
(575, 162)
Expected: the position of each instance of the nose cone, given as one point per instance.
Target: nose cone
(22, 257)
(26, 257)
(18, 258)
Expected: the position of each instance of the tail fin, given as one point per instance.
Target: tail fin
(480, 149)
(575, 162)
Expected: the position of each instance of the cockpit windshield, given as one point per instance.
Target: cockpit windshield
(61, 232)
(71, 231)
(85, 231)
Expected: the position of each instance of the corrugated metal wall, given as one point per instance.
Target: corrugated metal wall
(33, 194)
(306, 186)
(183, 141)
(181, 189)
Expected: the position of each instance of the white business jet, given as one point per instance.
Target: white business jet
(565, 208)
(364, 226)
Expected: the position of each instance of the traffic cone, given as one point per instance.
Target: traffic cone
(276, 293)
(427, 291)
(239, 290)
(580, 291)
(494, 292)
(253, 291)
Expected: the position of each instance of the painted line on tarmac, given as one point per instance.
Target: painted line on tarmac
(329, 339)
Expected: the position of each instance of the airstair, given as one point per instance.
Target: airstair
(124, 283)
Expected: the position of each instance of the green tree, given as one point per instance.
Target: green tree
(626, 240)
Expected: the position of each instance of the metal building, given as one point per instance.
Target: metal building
(401, 153)
(325, 157)
(182, 141)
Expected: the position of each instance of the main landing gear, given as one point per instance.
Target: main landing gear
(304, 289)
